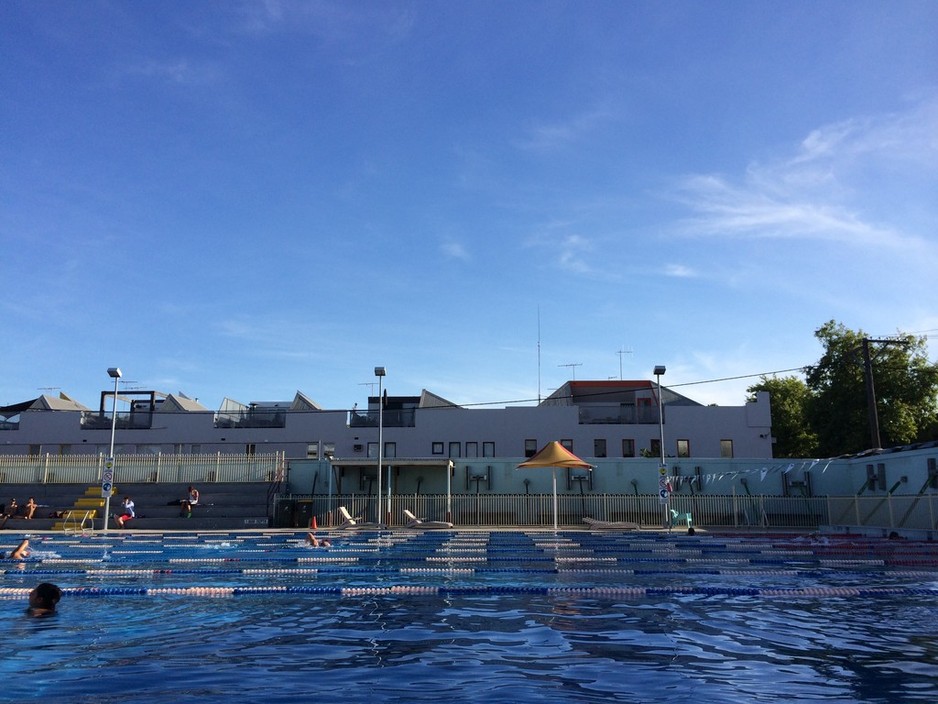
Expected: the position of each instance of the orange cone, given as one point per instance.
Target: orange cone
(312, 523)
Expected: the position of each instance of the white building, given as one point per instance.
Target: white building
(595, 419)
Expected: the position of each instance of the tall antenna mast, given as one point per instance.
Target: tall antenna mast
(620, 353)
(538, 355)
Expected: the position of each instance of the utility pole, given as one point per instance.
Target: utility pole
(870, 389)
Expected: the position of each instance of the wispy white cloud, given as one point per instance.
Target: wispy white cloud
(679, 271)
(822, 191)
(179, 71)
(331, 21)
(546, 137)
(571, 253)
(568, 252)
(455, 250)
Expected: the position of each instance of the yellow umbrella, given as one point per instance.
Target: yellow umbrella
(554, 455)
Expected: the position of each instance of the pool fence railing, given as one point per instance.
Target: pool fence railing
(89, 469)
(706, 511)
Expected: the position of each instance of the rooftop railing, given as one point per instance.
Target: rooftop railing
(87, 469)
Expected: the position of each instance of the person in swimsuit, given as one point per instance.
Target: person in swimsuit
(43, 598)
(315, 542)
(21, 552)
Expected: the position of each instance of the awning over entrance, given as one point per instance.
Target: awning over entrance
(442, 463)
(393, 462)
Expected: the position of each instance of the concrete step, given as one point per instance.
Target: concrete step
(197, 523)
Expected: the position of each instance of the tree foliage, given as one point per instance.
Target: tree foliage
(793, 436)
(905, 383)
(828, 414)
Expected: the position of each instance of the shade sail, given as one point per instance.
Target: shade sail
(554, 455)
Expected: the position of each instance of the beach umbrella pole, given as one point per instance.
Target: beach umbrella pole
(553, 471)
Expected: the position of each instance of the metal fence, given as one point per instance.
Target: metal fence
(87, 469)
(522, 510)
(536, 510)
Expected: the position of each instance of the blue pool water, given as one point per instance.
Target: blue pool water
(471, 616)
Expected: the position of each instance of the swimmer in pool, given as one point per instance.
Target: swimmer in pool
(21, 552)
(42, 599)
(316, 542)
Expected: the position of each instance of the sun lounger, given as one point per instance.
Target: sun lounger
(610, 525)
(347, 520)
(414, 522)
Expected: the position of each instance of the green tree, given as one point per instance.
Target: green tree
(905, 382)
(789, 398)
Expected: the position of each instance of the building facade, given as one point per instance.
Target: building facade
(609, 419)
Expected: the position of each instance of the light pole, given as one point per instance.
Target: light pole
(664, 491)
(380, 373)
(107, 478)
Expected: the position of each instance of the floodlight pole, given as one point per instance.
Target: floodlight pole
(108, 478)
(663, 490)
(380, 373)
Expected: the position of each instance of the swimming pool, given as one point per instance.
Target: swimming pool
(529, 616)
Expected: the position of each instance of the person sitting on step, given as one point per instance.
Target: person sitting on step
(191, 500)
(128, 512)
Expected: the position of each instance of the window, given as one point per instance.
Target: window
(599, 447)
(628, 447)
(312, 451)
(488, 449)
(455, 449)
(655, 448)
(436, 448)
(35, 450)
(390, 449)
(250, 449)
(472, 449)
(726, 448)
(372, 449)
(567, 443)
(530, 447)
(683, 448)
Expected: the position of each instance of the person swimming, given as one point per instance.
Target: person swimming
(43, 598)
(315, 542)
(21, 552)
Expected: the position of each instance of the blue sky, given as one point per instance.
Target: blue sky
(247, 199)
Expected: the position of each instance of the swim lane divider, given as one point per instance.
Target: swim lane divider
(404, 590)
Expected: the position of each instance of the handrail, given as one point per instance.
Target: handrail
(71, 518)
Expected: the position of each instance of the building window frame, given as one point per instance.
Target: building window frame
(726, 448)
(599, 447)
(683, 448)
(628, 447)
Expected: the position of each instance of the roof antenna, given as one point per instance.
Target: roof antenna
(538, 355)
(620, 353)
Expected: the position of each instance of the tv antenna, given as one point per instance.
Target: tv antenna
(573, 366)
(620, 353)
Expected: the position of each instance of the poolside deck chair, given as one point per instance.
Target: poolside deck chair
(347, 520)
(610, 525)
(678, 517)
(414, 522)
